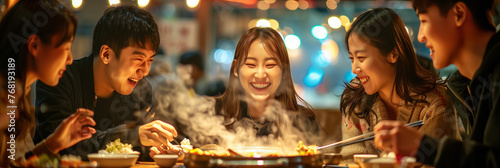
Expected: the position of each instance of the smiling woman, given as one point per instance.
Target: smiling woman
(260, 74)
(390, 84)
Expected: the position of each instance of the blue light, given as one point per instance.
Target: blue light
(314, 77)
(319, 32)
(320, 60)
(349, 76)
(223, 56)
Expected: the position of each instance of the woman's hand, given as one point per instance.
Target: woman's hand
(394, 136)
(157, 133)
(72, 130)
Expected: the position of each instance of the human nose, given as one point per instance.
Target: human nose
(260, 73)
(144, 68)
(355, 68)
(69, 59)
(421, 37)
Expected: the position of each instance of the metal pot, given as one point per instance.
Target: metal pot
(196, 161)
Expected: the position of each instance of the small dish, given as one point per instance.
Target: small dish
(359, 157)
(165, 160)
(114, 160)
(331, 158)
(378, 163)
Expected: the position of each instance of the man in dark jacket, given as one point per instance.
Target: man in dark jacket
(125, 41)
(457, 32)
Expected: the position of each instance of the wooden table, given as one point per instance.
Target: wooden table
(181, 165)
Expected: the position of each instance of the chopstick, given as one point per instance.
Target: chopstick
(364, 137)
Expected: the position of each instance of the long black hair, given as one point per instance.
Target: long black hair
(383, 29)
(43, 18)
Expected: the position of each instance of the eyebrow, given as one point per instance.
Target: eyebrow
(357, 51)
(136, 52)
(265, 59)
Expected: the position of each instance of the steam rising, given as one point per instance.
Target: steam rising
(194, 116)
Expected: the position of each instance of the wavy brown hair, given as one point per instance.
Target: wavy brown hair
(229, 103)
(383, 29)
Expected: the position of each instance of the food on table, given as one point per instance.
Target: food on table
(117, 147)
(45, 160)
(186, 145)
(305, 150)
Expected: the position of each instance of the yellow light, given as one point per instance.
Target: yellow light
(291, 4)
(303, 4)
(263, 5)
(76, 3)
(344, 19)
(274, 24)
(192, 3)
(331, 4)
(113, 2)
(330, 49)
(270, 1)
(142, 3)
(252, 23)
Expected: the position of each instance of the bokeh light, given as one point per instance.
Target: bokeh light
(142, 3)
(314, 76)
(319, 32)
(192, 3)
(334, 22)
(292, 41)
(76, 3)
(263, 23)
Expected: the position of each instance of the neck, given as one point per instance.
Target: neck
(472, 52)
(390, 99)
(101, 83)
(31, 76)
(256, 108)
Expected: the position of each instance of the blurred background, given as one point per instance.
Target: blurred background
(313, 31)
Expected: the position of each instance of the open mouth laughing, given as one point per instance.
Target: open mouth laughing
(260, 85)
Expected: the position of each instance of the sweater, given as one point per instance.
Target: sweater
(439, 119)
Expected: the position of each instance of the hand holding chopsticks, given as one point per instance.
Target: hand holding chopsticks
(393, 136)
(364, 137)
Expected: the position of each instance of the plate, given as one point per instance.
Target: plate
(114, 160)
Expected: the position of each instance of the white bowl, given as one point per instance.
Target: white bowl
(114, 160)
(165, 160)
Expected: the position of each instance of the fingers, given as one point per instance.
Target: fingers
(154, 151)
(87, 121)
(167, 127)
(85, 112)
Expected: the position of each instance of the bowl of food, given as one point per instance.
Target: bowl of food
(116, 154)
(165, 160)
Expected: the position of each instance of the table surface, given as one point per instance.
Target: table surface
(181, 165)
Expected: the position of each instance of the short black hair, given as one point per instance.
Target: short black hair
(480, 9)
(193, 58)
(123, 26)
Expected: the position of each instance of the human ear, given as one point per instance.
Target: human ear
(460, 13)
(32, 43)
(104, 53)
(235, 73)
(393, 57)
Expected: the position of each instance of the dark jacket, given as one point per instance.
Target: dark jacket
(482, 147)
(116, 116)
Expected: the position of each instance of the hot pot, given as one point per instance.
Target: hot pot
(199, 161)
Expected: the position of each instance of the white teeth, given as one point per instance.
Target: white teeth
(364, 79)
(260, 86)
(133, 80)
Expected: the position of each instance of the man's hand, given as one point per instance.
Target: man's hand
(394, 136)
(72, 130)
(157, 133)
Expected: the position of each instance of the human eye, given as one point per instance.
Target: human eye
(250, 65)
